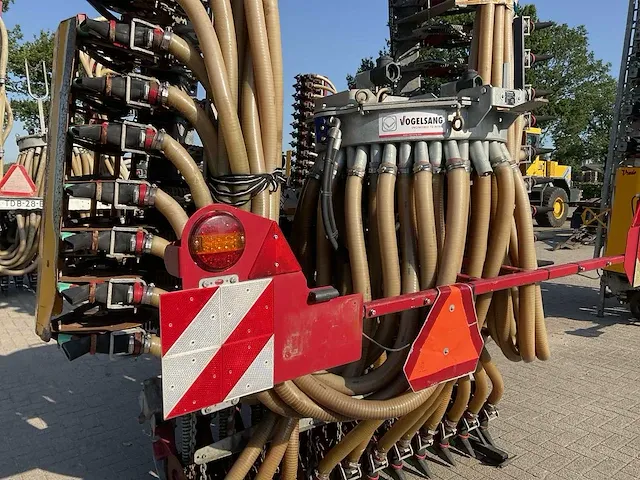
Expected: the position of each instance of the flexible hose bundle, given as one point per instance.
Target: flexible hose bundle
(411, 216)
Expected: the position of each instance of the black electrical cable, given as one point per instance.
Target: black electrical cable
(244, 187)
(326, 195)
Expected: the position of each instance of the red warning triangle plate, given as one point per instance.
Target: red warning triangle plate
(16, 182)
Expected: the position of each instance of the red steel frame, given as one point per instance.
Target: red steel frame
(511, 277)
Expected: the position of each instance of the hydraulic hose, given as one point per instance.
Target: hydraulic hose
(500, 229)
(428, 251)
(457, 215)
(189, 56)
(185, 105)
(290, 461)
(172, 211)
(435, 157)
(463, 394)
(361, 433)
(181, 159)
(252, 451)
(219, 82)
(253, 136)
(487, 13)
(278, 447)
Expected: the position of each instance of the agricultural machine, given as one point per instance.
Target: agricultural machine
(345, 343)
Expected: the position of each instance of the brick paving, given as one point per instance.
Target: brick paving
(574, 417)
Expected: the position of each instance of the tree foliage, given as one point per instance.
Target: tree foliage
(582, 92)
(35, 51)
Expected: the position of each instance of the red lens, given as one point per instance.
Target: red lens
(217, 242)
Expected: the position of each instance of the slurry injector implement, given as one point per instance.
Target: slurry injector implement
(351, 345)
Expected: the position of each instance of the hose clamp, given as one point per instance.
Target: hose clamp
(146, 243)
(166, 40)
(388, 168)
(163, 94)
(355, 172)
(150, 196)
(423, 167)
(454, 163)
(156, 143)
(373, 168)
(147, 295)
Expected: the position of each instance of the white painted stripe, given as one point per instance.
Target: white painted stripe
(203, 331)
(258, 377)
(237, 299)
(204, 336)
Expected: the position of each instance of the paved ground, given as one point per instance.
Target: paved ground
(571, 418)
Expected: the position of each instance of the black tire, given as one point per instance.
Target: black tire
(634, 304)
(556, 199)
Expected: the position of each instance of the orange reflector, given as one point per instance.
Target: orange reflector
(217, 242)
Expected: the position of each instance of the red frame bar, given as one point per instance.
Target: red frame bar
(386, 306)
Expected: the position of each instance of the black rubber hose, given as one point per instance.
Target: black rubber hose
(117, 86)
(126, 193)
(80, 294)
(134, 137)
(326, 195)
(83, 242)
(121, 35)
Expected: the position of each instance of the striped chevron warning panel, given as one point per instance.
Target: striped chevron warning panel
(217, 344)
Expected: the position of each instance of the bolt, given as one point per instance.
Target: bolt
(372, 313)
(276, 264)
(581, 269)
(275, 237)
(445, 351)
(452, 308)
(427, 301)
(232, 280)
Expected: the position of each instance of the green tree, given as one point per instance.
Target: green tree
(34, 51)
(582, 92)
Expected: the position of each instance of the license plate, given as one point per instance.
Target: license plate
(20, 203)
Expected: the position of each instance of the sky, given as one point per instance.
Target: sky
(331, 37)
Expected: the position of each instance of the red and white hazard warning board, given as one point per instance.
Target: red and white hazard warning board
(219, 342)
(16, 182)
(449, 343)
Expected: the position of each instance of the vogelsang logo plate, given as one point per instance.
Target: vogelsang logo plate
(412, 124)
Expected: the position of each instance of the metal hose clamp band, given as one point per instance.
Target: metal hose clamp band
(454, 163)
(146, 245)
(423, 167)
(163, 93)
(130, 295)
(147, 296)
(157, 141)
(354, 172)
(388, 168)
(150, 197)
(166, 40)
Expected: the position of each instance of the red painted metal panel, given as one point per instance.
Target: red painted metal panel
(316, 337)
(177, 311)
(632, 252)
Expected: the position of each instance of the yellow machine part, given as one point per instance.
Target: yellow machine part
(625, 202)
(548, 168)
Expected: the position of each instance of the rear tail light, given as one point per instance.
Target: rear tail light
(217, 242)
